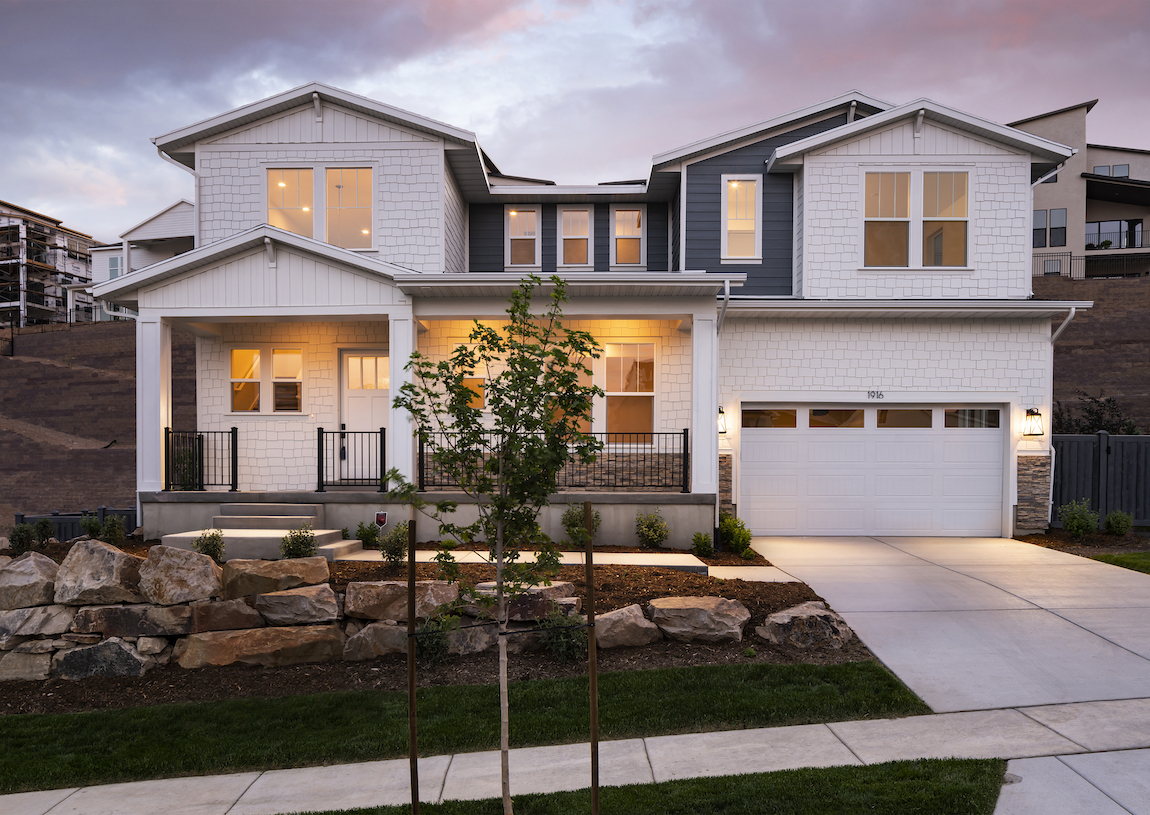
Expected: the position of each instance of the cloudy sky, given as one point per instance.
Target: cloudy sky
(578, 91)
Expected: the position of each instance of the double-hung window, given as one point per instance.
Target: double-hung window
(341, 210)
(908, 215)
(887, 226)
(628, 236)
(944, 219)
(630, 391)
(290, 196)
(576, 227)
(251, 376)
(522, 248)
(741, 236)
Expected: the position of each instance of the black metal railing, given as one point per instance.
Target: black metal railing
(627, 462)
(1081, 267)
(66, 525)
(198, 459)
(351, 458)
(1126, 239)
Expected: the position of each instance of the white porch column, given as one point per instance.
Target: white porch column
(704, 404)
(400, 433)
(153, 399)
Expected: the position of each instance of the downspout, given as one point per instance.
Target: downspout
(723, 312)
(1053, 172)
(1053, 452)
(718, 453)
(195, 195)
(1062, 327)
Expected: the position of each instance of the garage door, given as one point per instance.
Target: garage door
(850, 470)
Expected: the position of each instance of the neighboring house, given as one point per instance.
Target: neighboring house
(829, 310)
(43, 267)
(1089, 216)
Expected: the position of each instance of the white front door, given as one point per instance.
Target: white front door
(364, 405)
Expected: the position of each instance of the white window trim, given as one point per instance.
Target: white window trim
(599, 378)
(623, 267)
(589, 266)
(916, 219)
(267, 380)
(319, 194)
(757, 259)
(537, 266)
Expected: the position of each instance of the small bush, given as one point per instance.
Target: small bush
(1118, 522)
(564, 638)
(572, 520)
(90, 525)
(211, 543)
(298, 543)
(431, 644)
(1077, 519)
(112, 532)
(43, 529)
(393, 545)
(701, 545)
(749, 653)
(22, 539)
(368, 535)
(345, 533)
(651, 529)
(735, 536)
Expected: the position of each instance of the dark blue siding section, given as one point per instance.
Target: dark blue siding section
(704, 220)
(602, 237)
(657, 237)
(486, 237)
(548, 230)
(675, 234)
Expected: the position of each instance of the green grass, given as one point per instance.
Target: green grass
(926, 787)
(49, 751)
(1138, 561)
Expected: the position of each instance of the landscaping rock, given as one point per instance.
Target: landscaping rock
(170, 576)
(625, 627)
(150, 646)
(387, 599)
(704, 619)
(806, 625)
(302, 606)
(27, 667)
(29, 580)
(112, 657)
(94, 572)
(524, 643)
(376, 640)
(35, 647)
(472, 640)
(263, 646)
(134, 621)
(40, 621)
(557, 589)
(229, 615)
(246, 577)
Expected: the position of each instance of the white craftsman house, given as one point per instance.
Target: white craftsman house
(823, 319)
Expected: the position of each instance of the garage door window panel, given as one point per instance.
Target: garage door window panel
(786, 418)
(905, 418)
(836, 418)
(972, 417)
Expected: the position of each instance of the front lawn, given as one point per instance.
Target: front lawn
(50, 751)
(1138, 561)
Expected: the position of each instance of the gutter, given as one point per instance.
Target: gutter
(1066, 322)
(195, 199)
(1054, 171)
(723, 312)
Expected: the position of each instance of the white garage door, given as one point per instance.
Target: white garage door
(854, 470)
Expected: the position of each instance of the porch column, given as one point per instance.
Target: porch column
(153, 399)
(400, 435)
(704, 404)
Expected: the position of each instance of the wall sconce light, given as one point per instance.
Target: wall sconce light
(722, 421)
(1032, 426)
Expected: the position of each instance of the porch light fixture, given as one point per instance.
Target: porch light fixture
(1033, 424)
(722, 421)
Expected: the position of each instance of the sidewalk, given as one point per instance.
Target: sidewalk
(1050, 741)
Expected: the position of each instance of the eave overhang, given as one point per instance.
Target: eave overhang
(1131, 191)
(903, 309)
(579, 284)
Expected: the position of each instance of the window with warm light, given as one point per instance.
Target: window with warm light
(741, 239)
(887, 219)
(630, 388)
(915, 214)
(628, 238)
(522, 248)
(944, 219)
(347, 207)
(252, 376)
(245, 378)
(290, 194)
(576, 236)
(287, 379)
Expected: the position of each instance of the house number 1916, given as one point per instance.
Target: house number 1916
(874, 395)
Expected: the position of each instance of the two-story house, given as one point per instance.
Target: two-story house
(824, 318)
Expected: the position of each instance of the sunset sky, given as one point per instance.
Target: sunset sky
(578, 91)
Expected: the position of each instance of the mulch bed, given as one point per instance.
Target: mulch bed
(1098, 543)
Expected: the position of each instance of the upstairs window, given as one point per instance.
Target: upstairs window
(1058, 227)
(290, 194)
(114, 267)
(915, 215)
(887, 215)
(628, 237)
(348, 207)
(1039, 241)
(741, 218)
(340, 210)
(1103, 169)
(1121, 171)
(944, 219)
(576, 236)
(522, 248)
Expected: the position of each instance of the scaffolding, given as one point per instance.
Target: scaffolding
(38, 262)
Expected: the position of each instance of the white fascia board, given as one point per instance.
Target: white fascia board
(452, 284)
(241, 242)
(162, 212)
(781, 160)
(898, 308)
(741, 133)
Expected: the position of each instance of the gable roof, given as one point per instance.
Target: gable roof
(787, 157)
(128, 232)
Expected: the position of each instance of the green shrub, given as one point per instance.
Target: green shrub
(345, 533)
(701, 545)
(211, 543)
(368, 535)
(393, 545)
(572, 520)
(1077, 519)
(298, 543)
(112, 532)
(22, 538)
(651, 529)
(564, 638)
(431, 643)
(735, 536)
(43, 529)
(1118, 522)
(90, 525)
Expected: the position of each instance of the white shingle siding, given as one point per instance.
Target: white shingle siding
(798, 232)
(454, 225)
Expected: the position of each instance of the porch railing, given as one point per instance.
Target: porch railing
(198, 459)
(1081, 267)
(351, 458)
(627, 462)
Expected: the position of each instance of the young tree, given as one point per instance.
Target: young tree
(505, 456)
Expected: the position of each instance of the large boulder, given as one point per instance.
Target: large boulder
(473, 639)
(302, 606)
(134, 621)
(170, 576)
(243, 578)
(39, 621)
(25, 666)
(226, 615)
(29, 580)
(534, 604)
(112, 657)
(387, 599)
(625, 627)
(703, 619)
(271, 647)
(807, 625)
(94, 572)
(376, 640)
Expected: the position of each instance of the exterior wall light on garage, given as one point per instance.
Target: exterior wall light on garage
(722, 422)
(1033, 424)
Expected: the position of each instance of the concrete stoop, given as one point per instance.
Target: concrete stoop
(254, 531)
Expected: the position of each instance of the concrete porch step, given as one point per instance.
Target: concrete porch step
(263, 521)
(256, 544)
(341, 549)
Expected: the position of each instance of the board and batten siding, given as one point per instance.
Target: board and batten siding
(177, 222)
(657, 236)
(299, 126)
(250, 281)
(485, 237)
(704, 220)
(675, 227)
